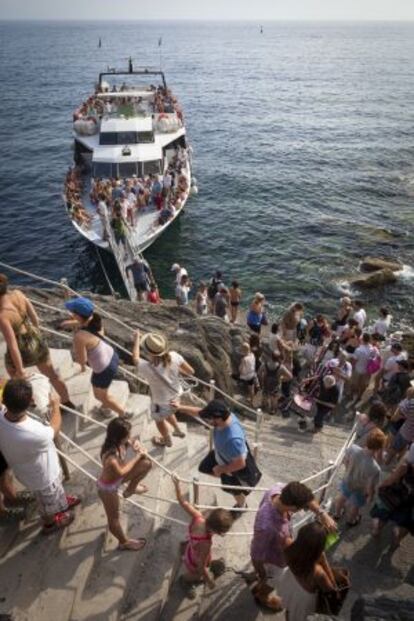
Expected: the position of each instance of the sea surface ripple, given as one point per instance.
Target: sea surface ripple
(303, 150)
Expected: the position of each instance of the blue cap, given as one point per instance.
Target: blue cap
(80, 306)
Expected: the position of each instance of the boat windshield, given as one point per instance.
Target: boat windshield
(125, 170)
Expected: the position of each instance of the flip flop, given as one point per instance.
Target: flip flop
(144, 489)
(178, 433)
(161, 442)
(133, 545)
(61, 520)
(73, 501)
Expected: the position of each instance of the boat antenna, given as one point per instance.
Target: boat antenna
(160, 50)
(130, 66)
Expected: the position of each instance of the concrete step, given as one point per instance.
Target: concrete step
(147, 593)
(71, 561)
(101, 594)
(23, 568)
(119, 391)
(140, 405)
(62, 360)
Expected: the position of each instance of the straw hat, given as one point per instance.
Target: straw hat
(154, 344)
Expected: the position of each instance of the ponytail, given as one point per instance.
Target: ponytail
(95, 324)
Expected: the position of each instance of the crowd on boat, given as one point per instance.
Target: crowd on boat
(160, 102)
(119, 203)
(316, 360)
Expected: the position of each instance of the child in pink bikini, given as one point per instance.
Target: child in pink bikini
(117, 471)
(197, 555)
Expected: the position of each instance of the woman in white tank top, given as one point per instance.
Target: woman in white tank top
(90, 348)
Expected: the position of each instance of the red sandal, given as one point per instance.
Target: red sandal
(60, 521)
(72, 501)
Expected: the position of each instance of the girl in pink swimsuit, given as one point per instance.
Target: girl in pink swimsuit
(116, 471)
(197, 555)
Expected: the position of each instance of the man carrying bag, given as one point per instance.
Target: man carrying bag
(231, 458)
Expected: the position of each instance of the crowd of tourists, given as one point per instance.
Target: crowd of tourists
(158, 100)
(309, 367)
(119, 203)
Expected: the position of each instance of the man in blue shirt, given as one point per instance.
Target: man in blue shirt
(228, 460)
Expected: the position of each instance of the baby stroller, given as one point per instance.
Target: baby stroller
(303, 399)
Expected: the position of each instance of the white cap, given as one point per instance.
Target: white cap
(175, 267)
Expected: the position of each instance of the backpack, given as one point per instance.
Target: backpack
(213, 288)
(374, 362)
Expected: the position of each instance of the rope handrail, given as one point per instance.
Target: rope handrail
(338, 462)
(132, 502)
(224, 394)
(121, 368)
(67, 288)
(100, 424)
(129, 353)
(235, 487)
(119, 321)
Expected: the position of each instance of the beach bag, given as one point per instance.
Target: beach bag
(393, 496)
(213, 288)
(397, 495)
(374, 362)
(331, 602)
(394, 391)
(33, 348)
(250, 475)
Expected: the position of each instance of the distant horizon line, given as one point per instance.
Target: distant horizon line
(214, 20)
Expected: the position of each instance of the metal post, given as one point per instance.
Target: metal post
(327, 478)
(196, 491)
(212, 390)
(210, 439)
(62, 460)
(257, 429)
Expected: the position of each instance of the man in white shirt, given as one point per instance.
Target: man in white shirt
(342, 371)
(359, 313)
(361, 357)
(179, 272)
(28, 448)
(182, 290)
(390, 365)
(166, 182)
(103, 213)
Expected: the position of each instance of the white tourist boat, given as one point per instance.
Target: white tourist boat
(128, 134)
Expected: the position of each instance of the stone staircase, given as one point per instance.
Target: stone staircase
(79, 574)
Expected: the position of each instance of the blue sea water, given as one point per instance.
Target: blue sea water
(303, 144)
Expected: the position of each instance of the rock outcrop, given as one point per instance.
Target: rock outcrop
(373, 279)
(373, 264)
(208, 343)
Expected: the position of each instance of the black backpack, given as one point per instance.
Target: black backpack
(213, 288)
